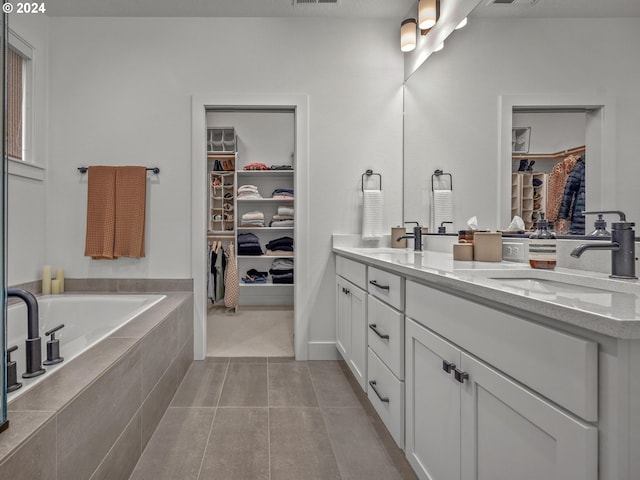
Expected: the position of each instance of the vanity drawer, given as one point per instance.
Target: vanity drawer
(389, 399)
(355, 272)
(388, 287)
(385, 321)
(560, 366)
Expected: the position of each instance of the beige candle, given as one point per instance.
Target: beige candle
(46, 279)
(55, 286)
(60, 278)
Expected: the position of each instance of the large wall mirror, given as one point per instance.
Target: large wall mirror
(550, 82)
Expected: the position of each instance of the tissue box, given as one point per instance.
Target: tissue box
(463, 251)
(487, 246)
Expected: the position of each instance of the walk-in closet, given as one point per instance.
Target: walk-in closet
(250, 231)
(549, 156)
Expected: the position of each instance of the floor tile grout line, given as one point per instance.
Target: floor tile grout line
(268, 420)
(333, 451)
(215, 414)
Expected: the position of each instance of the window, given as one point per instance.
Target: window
(19, 99)
(15, 104)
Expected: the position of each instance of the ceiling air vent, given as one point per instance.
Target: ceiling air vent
(523, 3)
(315, 2)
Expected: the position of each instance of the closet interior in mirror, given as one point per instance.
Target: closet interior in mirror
(548, 170)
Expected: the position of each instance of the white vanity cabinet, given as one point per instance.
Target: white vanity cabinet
(351, 317)
(467, 420)
(385, 367)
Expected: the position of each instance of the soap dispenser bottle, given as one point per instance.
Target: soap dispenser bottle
(542, 246)
(600, 226)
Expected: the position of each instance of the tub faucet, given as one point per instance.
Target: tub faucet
(33, 344)
(416, 235)
(622, 246)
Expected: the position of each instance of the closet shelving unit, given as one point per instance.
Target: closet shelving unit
(266, 181)
(527, 199)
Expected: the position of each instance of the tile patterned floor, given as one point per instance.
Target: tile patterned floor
(270, 418)
(251, 331)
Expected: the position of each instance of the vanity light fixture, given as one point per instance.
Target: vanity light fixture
(427, 14)
(408, 35)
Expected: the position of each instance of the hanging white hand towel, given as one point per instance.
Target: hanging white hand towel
(441, 208)
(372, 214)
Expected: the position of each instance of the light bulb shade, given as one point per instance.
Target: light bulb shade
(439, 47)
(462, 24)
(426, 14)
(408, 35)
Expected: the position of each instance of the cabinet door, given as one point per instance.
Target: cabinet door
(358, 356)
(432, 405)
(343, 322)
(510, 432)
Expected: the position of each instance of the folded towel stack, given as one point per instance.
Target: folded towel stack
(249, 244)
(252, 219)
(282, 270)
(282, 246)
(282, 193)
(248, 192)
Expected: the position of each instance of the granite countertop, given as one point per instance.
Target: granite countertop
(589, 300)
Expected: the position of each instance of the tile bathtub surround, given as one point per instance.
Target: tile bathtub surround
(99, 411)
(122, 285)
(297, 433)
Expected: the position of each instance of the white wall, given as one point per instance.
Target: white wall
(121, 94)
(26, 218)
(452, 102)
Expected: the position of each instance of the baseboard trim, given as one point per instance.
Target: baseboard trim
(323, 351)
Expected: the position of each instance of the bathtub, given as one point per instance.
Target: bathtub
(87, 319)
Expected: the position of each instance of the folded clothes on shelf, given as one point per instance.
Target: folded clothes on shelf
(282, 243)
(282, 193)
(256, 166)
(248, 192)
(282, 210)
(280, 167)
(283, 278)
(252, 219)
(281, 266)
(281, 223)
(248, 279)
(249, 244)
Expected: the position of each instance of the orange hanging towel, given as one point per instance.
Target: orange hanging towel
(101, 212)
(131, 198)
(116, 203)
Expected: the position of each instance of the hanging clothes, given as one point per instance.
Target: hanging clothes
(219, 270)
(574, 199)
(211, 290)
(231, 280)
(555, 191)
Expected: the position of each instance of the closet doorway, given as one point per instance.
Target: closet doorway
(249, 171)
(543, 130)
(251, 179)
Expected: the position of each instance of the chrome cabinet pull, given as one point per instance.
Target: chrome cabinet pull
(372, 384)
(373, 327)
(376, 284)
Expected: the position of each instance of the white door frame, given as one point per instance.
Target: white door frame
(300, 105)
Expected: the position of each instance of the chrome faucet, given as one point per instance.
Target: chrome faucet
(622, 246)
(33, 343)
(416, 235)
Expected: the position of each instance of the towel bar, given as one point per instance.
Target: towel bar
(155, 170)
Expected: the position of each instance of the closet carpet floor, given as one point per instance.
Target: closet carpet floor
(270, 419)
(251, 331)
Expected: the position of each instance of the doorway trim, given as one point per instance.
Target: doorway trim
(299, 104)
(600, 143)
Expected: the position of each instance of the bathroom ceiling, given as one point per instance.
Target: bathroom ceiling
(389, 9)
